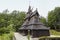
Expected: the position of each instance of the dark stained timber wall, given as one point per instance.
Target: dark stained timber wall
(38, 33)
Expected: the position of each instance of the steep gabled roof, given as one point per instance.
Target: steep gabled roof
(34, 27)
(33, 24)
(32, 14)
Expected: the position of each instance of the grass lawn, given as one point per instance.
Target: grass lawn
(54, 32)
(7, 36)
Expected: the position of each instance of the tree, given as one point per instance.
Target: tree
(43, 20)
(17, 19)
(54, 18)
(11, 21)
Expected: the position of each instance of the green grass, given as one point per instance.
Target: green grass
(54, 32)
(7, 36)
(47, 37)
(28, 36)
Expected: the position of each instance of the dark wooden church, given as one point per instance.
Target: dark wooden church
(33, 25)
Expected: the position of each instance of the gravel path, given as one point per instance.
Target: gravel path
(18, 36)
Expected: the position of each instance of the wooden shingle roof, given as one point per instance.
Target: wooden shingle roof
(33, 24)
(32, 27)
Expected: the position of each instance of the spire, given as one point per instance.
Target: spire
(29, 9)
(36, 10)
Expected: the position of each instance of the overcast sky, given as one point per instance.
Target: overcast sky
(43, 6)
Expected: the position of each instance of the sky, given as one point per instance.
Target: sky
(43, 6)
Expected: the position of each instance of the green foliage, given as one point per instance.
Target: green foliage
(17, 20)
(54, 32)
(28, 36)
(4, 30)
(43, 20)
(7, 36)
(11, 21)
(54, 18)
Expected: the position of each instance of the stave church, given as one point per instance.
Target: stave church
(33, 26)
